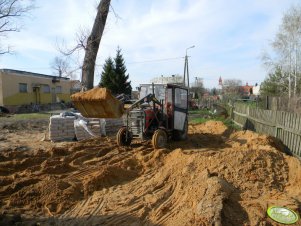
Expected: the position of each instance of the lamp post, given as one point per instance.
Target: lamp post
(186, 70)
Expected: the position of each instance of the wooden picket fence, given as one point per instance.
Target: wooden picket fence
(283, 125)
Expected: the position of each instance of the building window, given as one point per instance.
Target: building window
(22, 87)
(58, 89)
(46, 89)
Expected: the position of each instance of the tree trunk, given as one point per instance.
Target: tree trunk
(93, 44)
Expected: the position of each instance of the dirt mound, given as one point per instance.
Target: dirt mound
(13, 125)
(249, 139)
(206, 180)
(107, 177)
(97, 103)
(211, 205)
(212, 127)
(92, 95)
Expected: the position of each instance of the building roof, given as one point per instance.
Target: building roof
(32, 74)
(246, 88)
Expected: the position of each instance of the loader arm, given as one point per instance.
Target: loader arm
(149, 98)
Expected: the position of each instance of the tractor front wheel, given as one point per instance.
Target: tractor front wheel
(159, 139)
(122, 139)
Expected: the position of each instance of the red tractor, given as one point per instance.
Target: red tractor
(160, 115)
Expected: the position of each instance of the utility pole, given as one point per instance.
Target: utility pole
(186, 69)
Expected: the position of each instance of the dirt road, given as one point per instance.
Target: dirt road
(215, 177)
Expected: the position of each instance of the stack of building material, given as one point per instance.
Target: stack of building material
(97, 126)
(83, 130)
(113, 125)
(61, 128)
(66, 128)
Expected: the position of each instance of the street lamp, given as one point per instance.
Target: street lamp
(186, 70)
(189, 48)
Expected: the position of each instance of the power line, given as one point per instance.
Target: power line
(101, 65)
(156, 60)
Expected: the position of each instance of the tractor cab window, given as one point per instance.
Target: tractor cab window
(169, 96)
(143, 91)
(181, 98)
(168, 102)
(159, 91)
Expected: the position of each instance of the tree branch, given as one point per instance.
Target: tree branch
(10, 11)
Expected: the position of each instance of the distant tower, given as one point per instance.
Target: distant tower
(220, 82)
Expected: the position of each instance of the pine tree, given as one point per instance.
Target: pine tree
(121, 79)
(276, 83)
(114, 75)
(108, 74)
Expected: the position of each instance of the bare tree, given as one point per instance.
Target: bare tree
(291, 27)
(81, 37)
(90, 44)
(11, 11)
(231, 87)
(93, 42)
(60, 67)
(287, 48)
(197, 87)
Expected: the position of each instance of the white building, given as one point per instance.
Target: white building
(176, 79)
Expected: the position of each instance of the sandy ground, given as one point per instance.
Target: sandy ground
(216, 177)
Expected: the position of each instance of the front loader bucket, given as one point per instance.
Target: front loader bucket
(97, 103)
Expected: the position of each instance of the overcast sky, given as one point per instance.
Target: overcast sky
(229, 36)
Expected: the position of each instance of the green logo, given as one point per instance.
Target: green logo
(282, 215)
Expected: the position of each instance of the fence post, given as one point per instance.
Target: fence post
(247, 117)
(267, 103)
(275, 123)
(230, 111)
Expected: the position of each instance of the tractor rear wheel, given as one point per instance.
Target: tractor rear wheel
(121, 138)
(159, 139)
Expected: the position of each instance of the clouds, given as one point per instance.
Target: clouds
(228, 35)
(166, 30)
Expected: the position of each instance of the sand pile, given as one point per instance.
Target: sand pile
(210, 179)
(97, 103)
(211, 127)
(20, 125)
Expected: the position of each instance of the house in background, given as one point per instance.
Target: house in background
(26, 88)
(250, 92)
(243, 91)
(256, 90)
(246, 91)
(175, 79)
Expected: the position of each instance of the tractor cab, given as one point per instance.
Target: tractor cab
(160, 114)
(176, 111)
